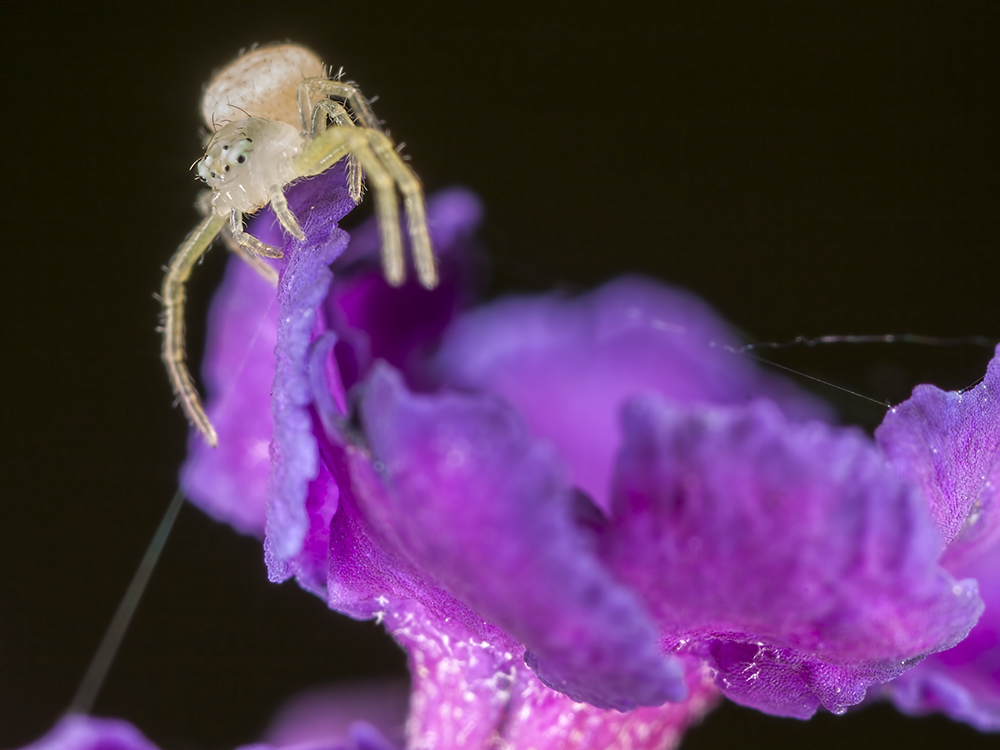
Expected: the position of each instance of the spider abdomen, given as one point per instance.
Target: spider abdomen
(261, 83)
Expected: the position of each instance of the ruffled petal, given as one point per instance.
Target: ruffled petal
(483, 509)
(569, 364)
(948, 443)
(787, 554)
(303, 286)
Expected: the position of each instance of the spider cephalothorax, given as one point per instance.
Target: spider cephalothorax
(277, 117)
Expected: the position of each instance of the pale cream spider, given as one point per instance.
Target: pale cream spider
(276, 117)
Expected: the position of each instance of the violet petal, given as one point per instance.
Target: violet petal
(788, 554)
(948, 443)
(79, 732)
(302, 288)
(474, 502)
(230, 482)
(569, 364)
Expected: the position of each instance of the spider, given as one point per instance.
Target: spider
(276, 117)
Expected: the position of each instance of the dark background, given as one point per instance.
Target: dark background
(827, 169)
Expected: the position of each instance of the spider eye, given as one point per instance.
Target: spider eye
(239, 151)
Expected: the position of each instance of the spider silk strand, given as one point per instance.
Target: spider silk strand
(100, 664)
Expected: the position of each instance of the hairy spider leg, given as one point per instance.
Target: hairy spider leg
(264, 270)
(413, 204)
(328, 109)
(276, 196)
(385, 168)
(333, 145)
(196, 244)
(250, 242)
(342, 90)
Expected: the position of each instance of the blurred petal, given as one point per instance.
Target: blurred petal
(230, 482)
(569, 364)
(78, 732)
(326, 714)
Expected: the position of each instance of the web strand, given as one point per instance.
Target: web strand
(97, 671)
(887, 338)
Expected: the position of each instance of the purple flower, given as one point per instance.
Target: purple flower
(563, 508)
(949, 445)
(79, 732)
(76, 732)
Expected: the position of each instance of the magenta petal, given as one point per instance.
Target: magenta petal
(788, 554)
(948, 443)
(547, 719)
(478, 505)
(78, 732)
(230, 482)
(569, 364)
(399, 324)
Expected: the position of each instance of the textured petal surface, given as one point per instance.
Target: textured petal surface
(787, 554)
(949, 444)
(310, 383)
(75, 732)
(477, 504)
(467, 693)
(569, 364)
(551, 720)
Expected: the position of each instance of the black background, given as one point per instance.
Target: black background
(830, 168)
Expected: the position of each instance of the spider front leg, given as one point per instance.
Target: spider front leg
(254, 261)
(385, 169)
(250, 242)
(173, 321)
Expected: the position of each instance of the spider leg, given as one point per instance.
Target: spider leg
(250, 242)
(190, 251)
(333, 145)
(327, 108)
(385, 169)
(285, 216)
(265, 271)
(413, 204)
(359, 105)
